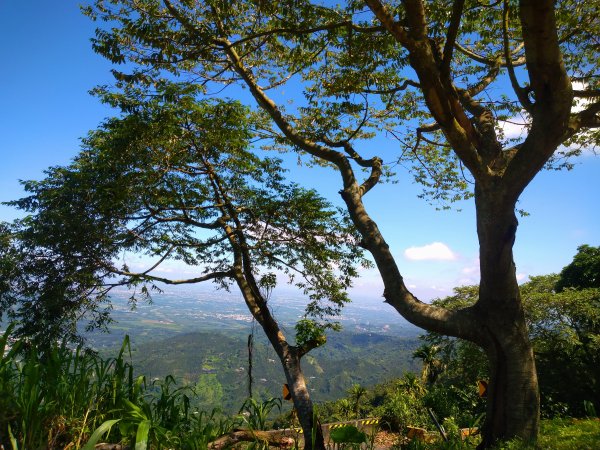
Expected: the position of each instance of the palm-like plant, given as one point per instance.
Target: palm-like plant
(356, 393)
(432, 365)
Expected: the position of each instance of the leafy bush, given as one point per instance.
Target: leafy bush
(403, 405)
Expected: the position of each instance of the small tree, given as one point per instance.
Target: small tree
(432, 366)
(173, 179)
(356, 394)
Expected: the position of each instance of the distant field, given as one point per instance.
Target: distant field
(192, 310)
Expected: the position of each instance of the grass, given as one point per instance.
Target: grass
(570, 434)
(555, 434)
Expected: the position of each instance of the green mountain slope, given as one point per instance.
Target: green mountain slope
(217, 364)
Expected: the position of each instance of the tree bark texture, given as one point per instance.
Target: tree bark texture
(513, 398)
(313, 433)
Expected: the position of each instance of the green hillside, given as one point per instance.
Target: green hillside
(218, 364)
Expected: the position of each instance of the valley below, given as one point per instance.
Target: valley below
(201, 339)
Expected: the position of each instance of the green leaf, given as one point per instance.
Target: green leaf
(141, 437)
(99, 432)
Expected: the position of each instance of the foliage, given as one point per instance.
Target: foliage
(165, 182)
(356, 395)
(56, 399)
(308, 333)
(584, 270)
(398, 404)
(347, 434)
(255, 414)
(556, 434)
(564, 329)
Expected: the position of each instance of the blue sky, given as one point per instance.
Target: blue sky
(48, 68)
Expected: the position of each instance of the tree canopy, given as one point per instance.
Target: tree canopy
(584, 270)
(164, 182)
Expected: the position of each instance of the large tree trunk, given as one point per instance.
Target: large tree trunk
(513, 397)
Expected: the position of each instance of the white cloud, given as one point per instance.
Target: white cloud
(470, 270)
(513, 128)
(580, 103)
(436, 251)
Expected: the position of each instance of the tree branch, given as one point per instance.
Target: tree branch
(551, 87)
(145, 276)
(382, 13)
(588, 118)
(441, 98)
(457, 9)
(393, 90)
(519, 91)
(591, 93)
(272, 438)
(492, 61)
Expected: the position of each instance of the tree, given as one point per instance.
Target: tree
(432, 366)
(565, 332)
(173, 179)
(443, 78)
(356, 394)
(584, 270)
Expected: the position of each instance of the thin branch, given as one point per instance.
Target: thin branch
(492, 61)
(197, 245)
(484, 82)
(457, 9)
(160, 261)
(209, 276)
(301, 32)
(393, 90)
(283, 124)
(519, 91)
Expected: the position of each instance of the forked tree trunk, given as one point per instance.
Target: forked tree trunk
(513, 396)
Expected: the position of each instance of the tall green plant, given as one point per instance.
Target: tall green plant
(256, 413)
